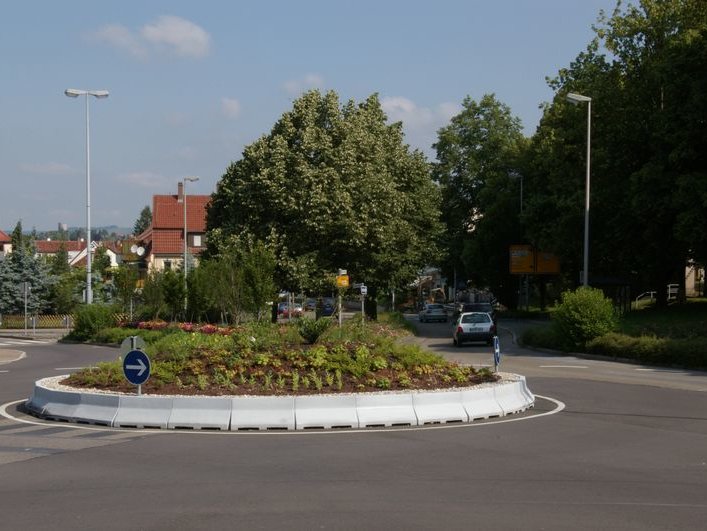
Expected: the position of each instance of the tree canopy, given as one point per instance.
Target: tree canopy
(332, 186)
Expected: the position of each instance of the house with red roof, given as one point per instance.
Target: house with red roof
(76, 250)
(5, 245)
(163, 241)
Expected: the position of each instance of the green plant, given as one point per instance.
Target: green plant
(90, 318)
(583, 315)
(312, 329)
(316, 380)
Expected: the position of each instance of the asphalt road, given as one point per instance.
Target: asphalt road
(628, 451)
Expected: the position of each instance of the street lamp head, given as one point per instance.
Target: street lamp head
(75, 93)
(191, 179)
(577, 98)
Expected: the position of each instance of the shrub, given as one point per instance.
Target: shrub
(544, 336)
(90, 318)
(312, 329)
(583, 315)
(689, 353)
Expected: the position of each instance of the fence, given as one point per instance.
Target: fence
(41, 321)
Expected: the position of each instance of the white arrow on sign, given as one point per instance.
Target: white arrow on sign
(140, 367)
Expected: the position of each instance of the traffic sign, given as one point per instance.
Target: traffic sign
(342, 281)
(132, 343)
(496, 352)
(364, 290)
(136, 367)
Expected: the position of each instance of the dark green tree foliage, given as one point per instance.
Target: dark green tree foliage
(59, 263)
(19, 267)
(125, 281)
(101, 262)
(143, 222)
(478, 170)
(649, 197)
(336, 186)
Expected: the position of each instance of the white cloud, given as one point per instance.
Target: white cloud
(185, 38)
(48, 168)
(419, 123)
(145, 179)
(309, 81)
(122, 38)
(231, 107)
(167, 34)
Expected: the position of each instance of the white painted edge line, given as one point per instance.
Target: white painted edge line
(18, 358)
(559, 406)
(563, 367)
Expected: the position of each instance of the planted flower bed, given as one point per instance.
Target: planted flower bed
(267, 359)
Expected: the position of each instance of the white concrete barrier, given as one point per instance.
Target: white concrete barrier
(200, 413)
(97, 409)
(393, 409)
(263, 413)
(53, 404)
(439, 407)
(325, 412)
(481, 403)
(143, 412)
(530, 397)
(511, 395)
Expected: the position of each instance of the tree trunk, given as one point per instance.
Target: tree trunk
(370, 305)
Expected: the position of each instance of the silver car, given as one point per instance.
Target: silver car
(473, 326)
(433, 312)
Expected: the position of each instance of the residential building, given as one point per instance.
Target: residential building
(163, 241)
(5, 245)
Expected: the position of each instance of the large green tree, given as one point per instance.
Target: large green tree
(333, 186)
(477, 167)
(648, 196)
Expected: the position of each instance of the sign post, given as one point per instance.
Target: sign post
(136, 364)
(364, 292)
(496, 353)
(342, 282)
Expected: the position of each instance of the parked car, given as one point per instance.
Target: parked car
(326, 306)
(433, 312)
(310, 305)
(485, 307)
(283, 310)
(473, 326)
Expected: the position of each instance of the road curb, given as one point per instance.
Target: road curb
(52, 401)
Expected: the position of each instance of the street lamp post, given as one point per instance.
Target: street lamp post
(75, 93)
(186, 266)
(575, 99)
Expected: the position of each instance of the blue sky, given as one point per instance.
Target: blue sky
(192, 83)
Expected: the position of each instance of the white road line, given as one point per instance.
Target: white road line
(69, 368)
(563, 367)
(4, 371)
(662, 370)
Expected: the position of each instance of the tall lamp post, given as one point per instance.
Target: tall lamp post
(186, 265)
(575, 99)
(75, 93)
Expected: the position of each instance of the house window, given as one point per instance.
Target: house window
(196, 240)
(167, 265)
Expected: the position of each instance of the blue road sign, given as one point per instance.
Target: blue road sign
(496, 351)
(136, 367)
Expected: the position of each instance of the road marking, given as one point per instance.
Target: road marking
(69, 368)
(4, 371)
(563, 367)
(128, 432)
(662, 370)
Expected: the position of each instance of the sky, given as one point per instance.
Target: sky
(192, 83)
